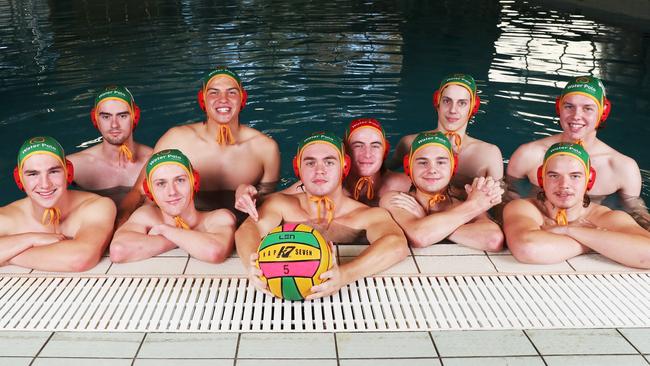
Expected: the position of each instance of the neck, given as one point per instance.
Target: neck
(314, 202)
(112, 152)
(62, 205)
(572, 213)
(212, 127)
(588, 140)
(461, 131)
(432, 201)
(189, 215)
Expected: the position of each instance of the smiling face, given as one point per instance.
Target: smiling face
(454, 107)
(114, 121)
(223, 98)
(44, 179)
(431, 168)
(578, 116)
(564, 181)
(172, 188)
(366, 150)
(320, 169)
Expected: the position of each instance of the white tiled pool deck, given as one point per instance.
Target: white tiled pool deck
(624, 346)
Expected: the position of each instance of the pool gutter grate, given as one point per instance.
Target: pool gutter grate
(212, 304)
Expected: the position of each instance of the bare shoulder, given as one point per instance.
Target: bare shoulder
(11, 214)
(364, 216)
(175, 136)
(259, 141)
(219, 218)
(144, 150)
(395, 181)
(483, 147)
(89, 204)
(147, 215)
(86, 156)
(522, 208)
(528, 156)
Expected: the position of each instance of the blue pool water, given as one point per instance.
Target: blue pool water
(311, 65)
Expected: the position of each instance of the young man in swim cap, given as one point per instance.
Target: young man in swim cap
(582, 108)
(53, 228)
(369, 179)
(111, 167)
(456, 101)
(238, 164)
(171, 183)
(321, 164)
(561, 223)
(429, 214)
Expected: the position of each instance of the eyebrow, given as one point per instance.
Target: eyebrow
(110, 114)
(554, 172)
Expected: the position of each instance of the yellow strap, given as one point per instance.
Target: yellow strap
(225, 137)
(52, 216)
(436, 198)
(124, 151)
(456, 139)
(180, 223)
(560, 217)
(363, 181)
(327, 203)
(580, 142)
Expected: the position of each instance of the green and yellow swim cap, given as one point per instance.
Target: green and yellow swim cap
(575, 151)
(115, 92)
(40, 145)
(169, 156)
(589, 86)
(425, 139)
(326, 138)
(463, 80)
(221, 70)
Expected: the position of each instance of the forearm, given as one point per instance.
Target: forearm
(382, 254)
(542, 247)
(629, 249)
(247, 239)
(132, 246)
(207, 247)
(482, 235)
(638, 210)
(64, 256)
(437, 226)
(12, 245)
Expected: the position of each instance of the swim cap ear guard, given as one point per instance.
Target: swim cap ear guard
(69, 168)
(477, 105)
(197, 185)
(590, 182)
(347, 165)
(201, 99)
(407, 165)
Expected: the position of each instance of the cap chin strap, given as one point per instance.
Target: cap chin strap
(455, 138)
(561, 218)
(225, 137)
(358, 187)
(180, 223)
(52, 216)
(328, 205)
(126, 153)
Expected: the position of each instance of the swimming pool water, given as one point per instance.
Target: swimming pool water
(311, 65)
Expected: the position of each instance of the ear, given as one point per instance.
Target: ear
(201, 99)
(17, 179)
(136, 116)
(147, 192)
(347, 165)
(244, 99)
(69, 168)
(477, 105)
(592, 178)
(93, 117)
(197, 180)
(540, 176)
(296, 166)
(436, 99)
(407, 165)
(557, 106)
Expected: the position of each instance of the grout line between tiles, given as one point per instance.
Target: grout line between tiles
(41, 349)
(534, 346)
(628, 341)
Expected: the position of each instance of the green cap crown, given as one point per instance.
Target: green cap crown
(565, 148)
(115, 92)
(587, 85)
(169, 156)
(464, 80)
(40, 145)
(431, 138)
(326, 137)
(221, 70)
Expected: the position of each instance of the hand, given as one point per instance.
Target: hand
(486, 192)
(41, 239)
(408, 203)
(333, 279)
(245, 200)
(256, 277)
(159, 229)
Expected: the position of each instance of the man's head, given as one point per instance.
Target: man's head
(456, 101)
(42, 170)
(170, 181)
(431, 162)
(367, 144)
(321, 163)
(222, 95)
(566, 174)
(582, 106)
(115, 114)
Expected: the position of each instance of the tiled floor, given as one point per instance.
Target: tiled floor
(507, 347)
